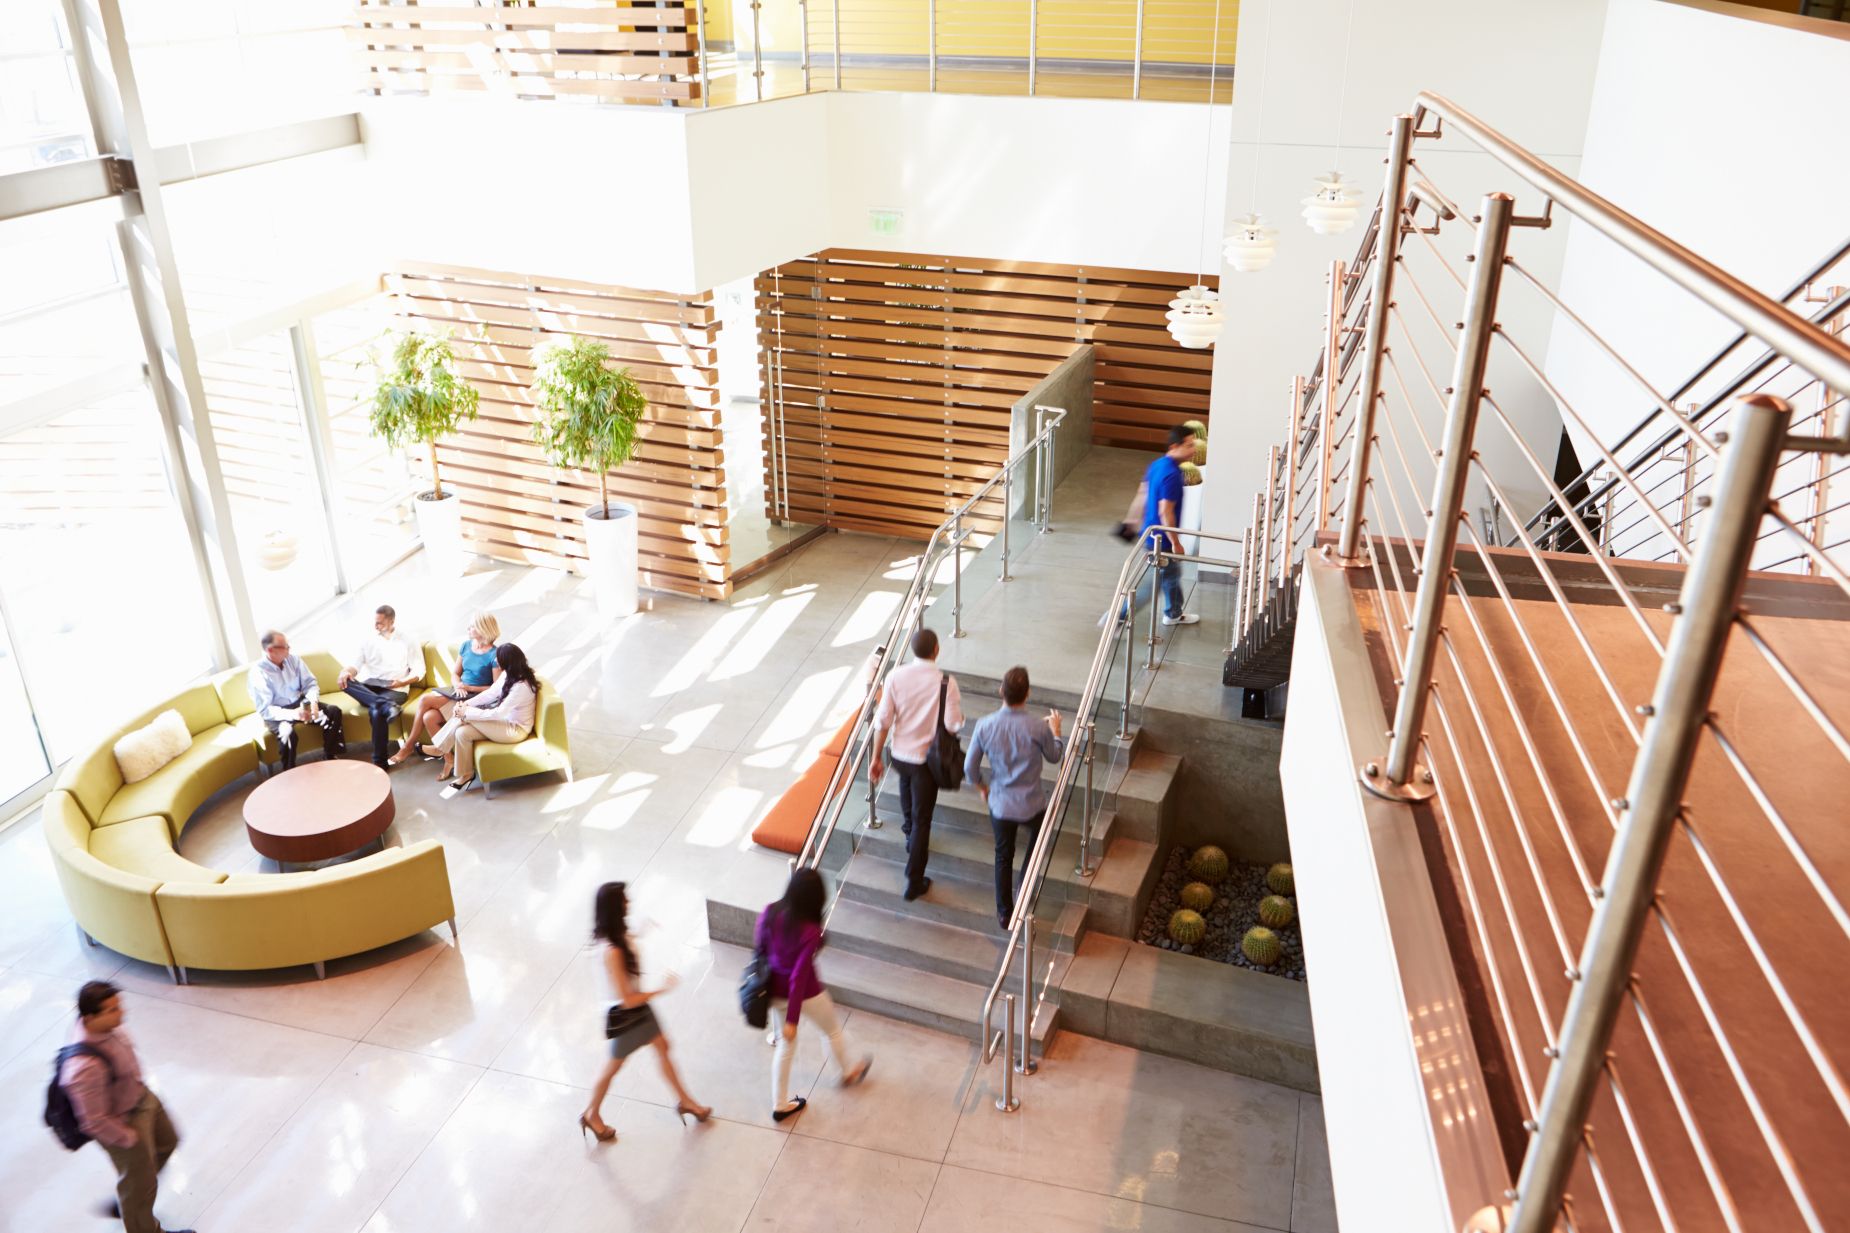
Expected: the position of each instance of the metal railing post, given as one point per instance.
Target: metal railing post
(1084, 869)
(1006, 1102)
(1679, 710)
(1034, 37)
(1008, 477)
(1374, 341)
(1331, 386)
(757, 53)
(1291, 479)
(1052, 460)
(1156, 596)
(957, 576)
(1250, 549)
(1130, 666)
(931, 44)
(1137, 56)
(803, 21)
(837, 33)
(700, 31)
(1026, 1065)
(1396, 779)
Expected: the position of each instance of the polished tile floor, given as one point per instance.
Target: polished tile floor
(435, 1087)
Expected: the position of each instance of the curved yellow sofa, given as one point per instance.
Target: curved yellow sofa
(547, 748)
(113, 848)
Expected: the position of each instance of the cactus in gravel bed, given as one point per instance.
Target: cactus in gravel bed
(1276, 911)
(1261, 946)
(1198, 896)
(1278, 879)
(1187, 928)
(1208, 864)
(1201, 441)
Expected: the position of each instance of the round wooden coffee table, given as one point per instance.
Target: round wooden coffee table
(319, 811)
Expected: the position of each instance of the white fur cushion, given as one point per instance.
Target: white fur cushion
(146, 750)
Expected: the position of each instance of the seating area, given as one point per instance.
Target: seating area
(115, 844)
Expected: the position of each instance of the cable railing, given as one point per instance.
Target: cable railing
(1103, 687)
(1624, 715)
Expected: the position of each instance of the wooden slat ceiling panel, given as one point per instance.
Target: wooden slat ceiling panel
(516, 505)
(896, 371)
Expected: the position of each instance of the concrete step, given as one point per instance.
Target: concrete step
(927, 945)
(967, 905)
(940, 1002)
(1137, 792)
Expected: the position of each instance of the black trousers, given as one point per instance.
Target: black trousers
(918, 797)
(382, 707)
(1007, 831)
(333, 740)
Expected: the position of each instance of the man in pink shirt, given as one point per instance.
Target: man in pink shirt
(114, 1107)
(909, 714)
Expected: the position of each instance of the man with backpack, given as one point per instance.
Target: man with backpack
(97, 1093)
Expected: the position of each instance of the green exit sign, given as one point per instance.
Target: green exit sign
(886, 222)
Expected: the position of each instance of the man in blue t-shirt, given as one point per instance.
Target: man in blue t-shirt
(1162, 482)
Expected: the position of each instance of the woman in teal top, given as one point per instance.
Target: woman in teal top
(474, 671)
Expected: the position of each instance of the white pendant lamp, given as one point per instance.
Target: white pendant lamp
(1332, 209)
(1195, 317)
(1251, 245)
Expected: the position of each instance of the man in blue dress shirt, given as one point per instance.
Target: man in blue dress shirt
(286, 694)
(1016, 743)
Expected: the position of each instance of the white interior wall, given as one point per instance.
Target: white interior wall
(1715, 126)
(1525, 68)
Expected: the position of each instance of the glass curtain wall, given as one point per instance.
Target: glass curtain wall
(42, 116)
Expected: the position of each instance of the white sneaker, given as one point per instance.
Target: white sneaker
(1187, 618)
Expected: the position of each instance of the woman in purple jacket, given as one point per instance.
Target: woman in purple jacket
(789, 935)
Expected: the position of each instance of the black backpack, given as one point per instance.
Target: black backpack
(60, 1114)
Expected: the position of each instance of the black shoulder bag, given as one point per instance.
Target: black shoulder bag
(945, 758)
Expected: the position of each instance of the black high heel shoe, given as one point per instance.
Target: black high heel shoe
(796, 1107)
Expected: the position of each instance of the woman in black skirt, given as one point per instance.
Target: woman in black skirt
(631, 1023)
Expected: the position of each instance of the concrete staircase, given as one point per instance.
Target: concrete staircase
(931, 961)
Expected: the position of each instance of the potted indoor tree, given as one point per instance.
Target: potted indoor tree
(588, 414)
(418, 398)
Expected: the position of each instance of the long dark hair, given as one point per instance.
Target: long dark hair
(514, 667)
(608, 924)
(802, 901)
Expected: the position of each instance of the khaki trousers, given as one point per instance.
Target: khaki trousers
(138, 1166)
(462, 735)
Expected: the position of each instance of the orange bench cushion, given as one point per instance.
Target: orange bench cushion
(787, 825)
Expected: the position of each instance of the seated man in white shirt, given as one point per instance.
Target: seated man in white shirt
(389, 664)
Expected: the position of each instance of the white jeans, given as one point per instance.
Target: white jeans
(820, 1008)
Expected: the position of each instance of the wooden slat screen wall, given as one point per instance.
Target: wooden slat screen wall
(519, 508)
(620, 50)
(896, 373)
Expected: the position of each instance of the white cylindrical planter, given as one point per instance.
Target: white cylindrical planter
(440, 528)
(610, 550)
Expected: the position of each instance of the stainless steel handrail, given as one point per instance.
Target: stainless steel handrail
(947, 539)
(1148, 555)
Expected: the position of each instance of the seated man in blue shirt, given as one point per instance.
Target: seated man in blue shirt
(1016, 744)
(286, 693)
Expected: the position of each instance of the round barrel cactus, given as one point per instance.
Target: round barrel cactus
(1198, 896)
(1191, 474)
(1208, 864)
(1201, 441)
(1261, 946)
(1276, 911)
(1187, 928)
(1278, 879)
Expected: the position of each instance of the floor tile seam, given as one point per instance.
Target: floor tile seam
(527, 1019)
(412, 1163)
(1109, 1194)
(1297, 1150)
(237, 1014)
(513, 869)
(783, 1144)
